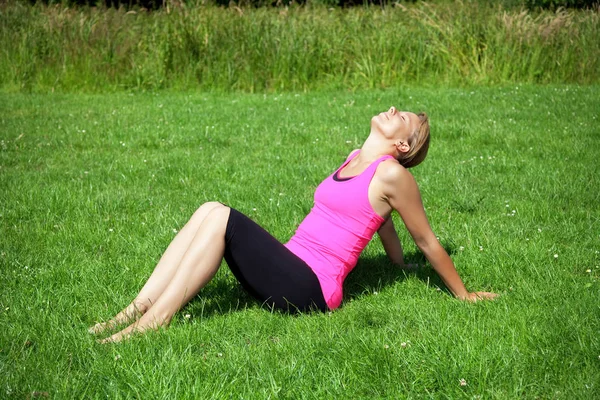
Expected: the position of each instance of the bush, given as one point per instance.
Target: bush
(294, 48)
(554, 4)
(157, 4)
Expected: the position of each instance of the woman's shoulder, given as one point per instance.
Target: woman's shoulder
(390, 170)
(394, 177)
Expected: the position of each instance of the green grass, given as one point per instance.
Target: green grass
(92, 187)
(453, 43)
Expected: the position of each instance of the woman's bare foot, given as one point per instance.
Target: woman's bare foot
(101, 327)
(146, 322)
(131, 313)
(120, 336)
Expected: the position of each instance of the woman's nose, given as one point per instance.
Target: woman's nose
(393, 110)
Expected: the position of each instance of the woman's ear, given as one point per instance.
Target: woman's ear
(402, 146)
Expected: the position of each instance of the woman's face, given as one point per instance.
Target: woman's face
(394, 124)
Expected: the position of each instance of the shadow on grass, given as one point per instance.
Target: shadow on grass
(376, 273)
(370, 274)
(373, 274)
(219, 297)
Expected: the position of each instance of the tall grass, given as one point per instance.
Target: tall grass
(46, 48)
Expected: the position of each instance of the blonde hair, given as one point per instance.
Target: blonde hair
(419, 144)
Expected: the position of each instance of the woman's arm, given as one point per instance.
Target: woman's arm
(392, 245)
(403, 195)
(391, 242)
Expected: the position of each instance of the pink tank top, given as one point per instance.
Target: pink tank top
(337, 229)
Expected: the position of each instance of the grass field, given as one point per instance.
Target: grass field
(93, 187)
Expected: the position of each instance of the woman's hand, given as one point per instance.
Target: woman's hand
(476, 296)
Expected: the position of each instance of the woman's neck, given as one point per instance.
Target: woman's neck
(375, 147)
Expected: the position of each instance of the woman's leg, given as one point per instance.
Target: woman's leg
(198, 265)
(163, 272)
(268, 270)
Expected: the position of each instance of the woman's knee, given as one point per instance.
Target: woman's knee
(219, 214)
(209, 205)
(203, 211)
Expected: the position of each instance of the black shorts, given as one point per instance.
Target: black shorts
(267, 269)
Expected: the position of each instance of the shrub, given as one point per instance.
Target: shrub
(294, 48)
(555, 4)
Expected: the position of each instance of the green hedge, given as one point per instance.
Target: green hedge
(554, 4)
(156, 4)
(297, 48)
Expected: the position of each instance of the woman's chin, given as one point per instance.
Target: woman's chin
(375, 122)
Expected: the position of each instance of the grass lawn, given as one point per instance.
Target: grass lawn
(92, 189)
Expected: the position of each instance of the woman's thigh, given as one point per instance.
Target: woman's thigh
(267, 269)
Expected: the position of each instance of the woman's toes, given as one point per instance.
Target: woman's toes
(96, 329)
(101, 327)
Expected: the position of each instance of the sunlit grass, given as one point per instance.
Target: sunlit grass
(93, 187)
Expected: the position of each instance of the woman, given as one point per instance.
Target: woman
(308, 271)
